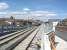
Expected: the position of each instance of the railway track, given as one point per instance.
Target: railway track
(10, 41)
(11, 34)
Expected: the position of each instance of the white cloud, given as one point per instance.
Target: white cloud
(26, 9)
(31, 14)
(51, 15)
(3, 6)
(42, 13)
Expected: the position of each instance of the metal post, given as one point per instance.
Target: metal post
(2, 29)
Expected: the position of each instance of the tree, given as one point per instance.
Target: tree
(11, 17)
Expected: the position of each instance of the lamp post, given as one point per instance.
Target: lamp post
(2, 26)
(28, 19)
(28, 22)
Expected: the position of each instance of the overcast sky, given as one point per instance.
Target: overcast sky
(37, 9)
